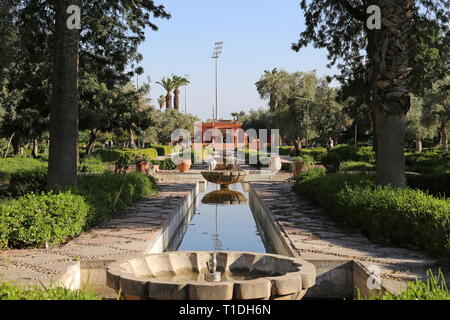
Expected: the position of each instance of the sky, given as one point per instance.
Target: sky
(257, 36)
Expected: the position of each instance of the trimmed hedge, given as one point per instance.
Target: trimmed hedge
(350, 153)
(317, 153)
(36, 219)
(427, 162)
(162, 150)
(10, 166)
(356, 166)
(436, 184)
(24, 182)
(10, 291)
(112, 155)
(403, 217)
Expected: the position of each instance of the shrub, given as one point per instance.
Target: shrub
(434, 288)
(350, 153)
(33, 220)
(10, 291)
(317, 153)
(162, 150)
(112, 155)
(427, 162)
(24, 182)
(356, 166)
(404, 217)
(437, 184)
(286, 166)
(9, 166)
(332, 162)
(36, 219)
(166, 164)
(109, 193)
(312, 174)
(92, 165)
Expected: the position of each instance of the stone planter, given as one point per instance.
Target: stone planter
(184, 165)
(275, 163)
(181, 276)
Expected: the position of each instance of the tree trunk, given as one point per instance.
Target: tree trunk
(169, 101)
(5, 154)
(389, 69)
(419, 147)
(131, 139)
(63, 153)
(444, 137)
(176, 103)
(92, 141)
(35, 147)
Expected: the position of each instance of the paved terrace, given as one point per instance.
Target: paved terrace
(134, 232)
(311, 235)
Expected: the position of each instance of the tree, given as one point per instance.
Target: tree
(341, 27)
(169, 85)
(63, 152)
(179, 82)
(416, 128)
(436, 107)
(162, 101)
(273, 86)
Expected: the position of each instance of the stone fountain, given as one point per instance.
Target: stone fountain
(225, 173)
(212, 276)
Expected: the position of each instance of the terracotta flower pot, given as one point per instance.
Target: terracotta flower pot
(184, 165)
(298, 168)
(141, 167)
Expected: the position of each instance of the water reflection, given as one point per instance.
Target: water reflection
(225, 197)
(216, 225)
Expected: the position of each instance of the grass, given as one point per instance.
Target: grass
(9, 291)
(434, 288)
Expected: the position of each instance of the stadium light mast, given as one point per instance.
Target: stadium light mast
(218, 46)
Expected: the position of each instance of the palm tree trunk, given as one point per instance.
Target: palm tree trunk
(169, 101)
(177, 99)
(388, 75)
(63, 153)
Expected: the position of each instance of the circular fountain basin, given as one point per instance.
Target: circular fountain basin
(225, 177)
(181, 276)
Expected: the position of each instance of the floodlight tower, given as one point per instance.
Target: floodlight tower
(218, 46)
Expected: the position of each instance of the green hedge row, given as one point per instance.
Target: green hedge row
(428, 162)
(437, 184)
(162, 150)
(112, 155)
(36, 219)
(350, 153)
(403, 217)
(9, 166)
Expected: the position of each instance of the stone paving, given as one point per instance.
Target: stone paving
(131, 233)
(312, 235)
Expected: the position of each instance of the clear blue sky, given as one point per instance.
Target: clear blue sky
(257, 36)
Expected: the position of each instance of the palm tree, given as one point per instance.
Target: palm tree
(162, 101)
(63, 153)
(179, 82)
(169, 85)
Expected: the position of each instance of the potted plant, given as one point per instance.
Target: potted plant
(184, 165)
(301, 164)
(142, 164)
